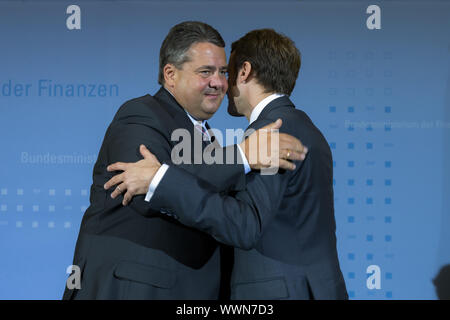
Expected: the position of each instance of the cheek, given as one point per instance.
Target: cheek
(194, 90)
(199, 85)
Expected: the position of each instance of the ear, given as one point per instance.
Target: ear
(170, 73)
(244, 72)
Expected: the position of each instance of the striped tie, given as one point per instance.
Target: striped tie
(203, 131)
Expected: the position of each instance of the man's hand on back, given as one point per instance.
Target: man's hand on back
(135, 178)
(266, 147)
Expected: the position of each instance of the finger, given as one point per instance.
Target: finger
(127, 197)
(118, 178)
(145, 152)
(118, 190)
(289, 142)
(288, 154)
(287, 165)
(148, 155)
(118, 166)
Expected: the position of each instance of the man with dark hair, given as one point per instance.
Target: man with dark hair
(282, 226)
(133, 252)
(174, 49)
(274, 58)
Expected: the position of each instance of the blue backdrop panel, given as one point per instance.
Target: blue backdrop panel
(381, 98)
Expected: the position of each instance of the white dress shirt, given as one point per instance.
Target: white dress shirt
(261, 105)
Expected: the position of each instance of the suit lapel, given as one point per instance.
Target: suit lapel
(174, 109)
(179, 115)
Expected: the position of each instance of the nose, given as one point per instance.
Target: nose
(218, 81)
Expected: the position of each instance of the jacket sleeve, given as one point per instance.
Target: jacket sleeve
(127, 133)
(225, 174)
(237, 219)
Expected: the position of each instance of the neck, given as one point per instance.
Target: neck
(168, 90)
(185, 109)
(253, 101)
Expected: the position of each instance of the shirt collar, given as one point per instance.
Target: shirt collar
(194, 121)
(261, 105)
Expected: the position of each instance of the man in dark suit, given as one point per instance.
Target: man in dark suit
(282, 226)
(133, 252)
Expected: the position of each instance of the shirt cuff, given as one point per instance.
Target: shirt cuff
(155, 181)
(247, 168)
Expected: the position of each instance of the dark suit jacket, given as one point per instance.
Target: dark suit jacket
(282, 226)
(134, 252)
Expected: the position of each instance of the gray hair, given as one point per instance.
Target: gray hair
(180, 38)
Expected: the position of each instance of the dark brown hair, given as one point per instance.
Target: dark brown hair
(274, 58)
(179, 40)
